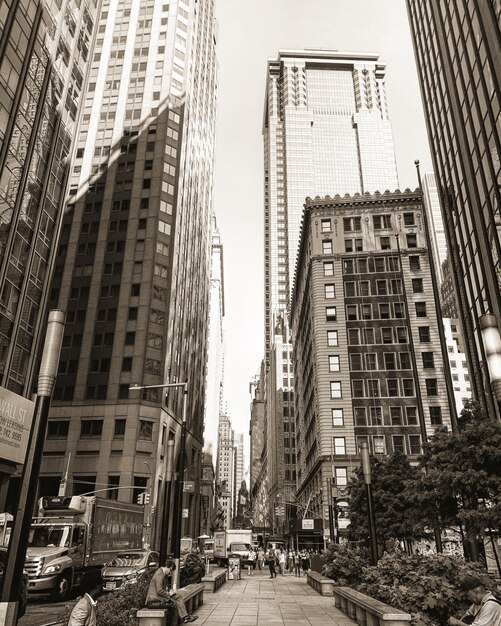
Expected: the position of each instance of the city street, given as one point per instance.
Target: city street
(252, 601)
(256, 600)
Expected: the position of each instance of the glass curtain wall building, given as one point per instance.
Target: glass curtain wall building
(133, 267)
(457, 47)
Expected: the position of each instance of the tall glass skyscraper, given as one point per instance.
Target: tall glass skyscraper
(457, 46)
(326, 131)
(44, 54)
(133, 267)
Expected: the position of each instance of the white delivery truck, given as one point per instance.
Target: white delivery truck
(75, 533)
(230, 541)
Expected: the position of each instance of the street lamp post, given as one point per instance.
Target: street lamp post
(178, 499)
(169, 467)
(16, 555)
(366, 467)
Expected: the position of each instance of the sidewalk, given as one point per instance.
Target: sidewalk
(258, 600)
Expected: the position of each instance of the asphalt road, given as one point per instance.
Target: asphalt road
(41, 612)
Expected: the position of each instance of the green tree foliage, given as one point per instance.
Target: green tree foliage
(461, 477)
(390, 477)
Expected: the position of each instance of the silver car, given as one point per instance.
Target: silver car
(127, 567)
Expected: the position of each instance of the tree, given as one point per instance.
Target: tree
(390, 477)
(461, 477)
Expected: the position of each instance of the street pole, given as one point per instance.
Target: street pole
(366, 467)
(164, 525)
(178, 505)
(16, 555)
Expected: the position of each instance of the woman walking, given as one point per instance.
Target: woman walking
(297, 564)
(271, 564)
(282, 560)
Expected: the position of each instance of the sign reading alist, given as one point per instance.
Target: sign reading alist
(16, 414)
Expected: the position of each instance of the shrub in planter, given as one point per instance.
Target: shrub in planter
(119, 608)
(425, 586)
(344, 563)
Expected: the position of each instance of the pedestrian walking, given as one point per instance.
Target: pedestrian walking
(271, 564)
(305, 561)
(260, 559)
(281, 561)
(290, 562)
(297, 564)
(251, 563)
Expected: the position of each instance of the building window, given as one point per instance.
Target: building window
(360, 416)
(336, 389)
(417, 285)
(431, 387)
(334, 365)
(392, 384)
(326, 225)
(398, 443)
(381, 222)
(378, 446)
(119, 431)
(91, 428)
(411, 415)
(337, 417)
(428, 361)
(396, 415)
(332, 338)
(366, 311)
(331, 314)
(414, 263)
(113, 484)
(328, 268)
(436, 415)
(409, 219)
(348, 266)
(341, 474)
(384, 310)
(58, 429)
(327, 246)
(352, 224)
(376, 415)
(330, 291)
(127, 364)
(424, 334)
(369, 335)
(381, 287)
(411, 240)
(401, 334)
(339, 445)
(351, 312)
(145, 430)
(357, 388)
(414, 444)
(356, 362)
(386, 335)
(398, 310)
(405, 361)
(353, 337)
(390, 361)
(408, 386)
(385, 243)
(350, 290)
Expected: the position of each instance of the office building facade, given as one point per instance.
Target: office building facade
(225, 470)
(44, 56)
(457, 47)
(431, 203)
(133, 267)
(367, 352)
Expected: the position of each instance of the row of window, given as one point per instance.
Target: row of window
(397, 416)
(377, 444)
(386, 310)
(356, 245)
(372, 265)
(93, 428)
(369, 336)
(354, 224)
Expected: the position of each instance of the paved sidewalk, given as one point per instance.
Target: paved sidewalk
(258, 600)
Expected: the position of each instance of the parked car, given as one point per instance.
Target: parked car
(127, 567)
(23, 587)
(192, 570)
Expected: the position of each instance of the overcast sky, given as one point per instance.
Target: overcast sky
(250, 32)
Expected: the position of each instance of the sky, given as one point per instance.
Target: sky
(250, 32)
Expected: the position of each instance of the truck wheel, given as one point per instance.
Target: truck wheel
(61, 590)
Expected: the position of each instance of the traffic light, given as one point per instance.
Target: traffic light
(146, 498)
(140, 498)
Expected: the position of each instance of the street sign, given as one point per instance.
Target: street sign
(308, 524)
(16, 414)
(189, 487)
(185, 512)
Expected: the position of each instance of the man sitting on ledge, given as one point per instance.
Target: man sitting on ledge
(160, 594)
